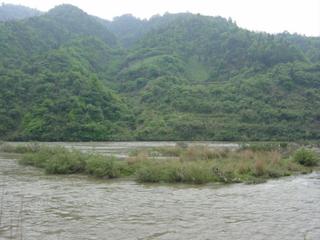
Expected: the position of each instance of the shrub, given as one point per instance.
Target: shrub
(306, 157)
(65, 162)
(173, 171)
(101, 166)
(39, 158)
(224, 174)
(148, 173)
(196, 173)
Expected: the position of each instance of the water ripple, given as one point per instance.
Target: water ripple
(76, 207)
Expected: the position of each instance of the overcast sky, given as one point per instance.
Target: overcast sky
(273, 16)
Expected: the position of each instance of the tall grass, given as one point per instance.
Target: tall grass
(173, 171)
(195, 164)
(103, 167)
(203, 165)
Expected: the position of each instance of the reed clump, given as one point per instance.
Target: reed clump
(200, 164)
(174, 171)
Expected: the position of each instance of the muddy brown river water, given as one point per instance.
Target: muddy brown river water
(35, 206)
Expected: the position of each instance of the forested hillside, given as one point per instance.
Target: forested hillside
(10, 12)
(66, 75)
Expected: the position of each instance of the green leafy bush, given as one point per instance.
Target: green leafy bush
(306, 157)
(65, 163)
(101, 166)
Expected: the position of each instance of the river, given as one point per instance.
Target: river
(38, 206)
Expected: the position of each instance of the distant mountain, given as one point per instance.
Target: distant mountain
(10, 12)
(66, 75)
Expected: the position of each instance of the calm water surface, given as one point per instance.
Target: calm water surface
(37, 206)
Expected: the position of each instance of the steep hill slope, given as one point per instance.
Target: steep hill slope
(50, 90)
(66, 75)
(197, 77)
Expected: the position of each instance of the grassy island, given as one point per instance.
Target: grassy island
(252, 163)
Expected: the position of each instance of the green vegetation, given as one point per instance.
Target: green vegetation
(69, 76)
(103, 167)
(173, 171)
(58, 160)
(200, 164)
(306, 157)
(15, 12)
(194, 165)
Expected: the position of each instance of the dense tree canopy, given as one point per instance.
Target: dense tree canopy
(10, 12)
(66, 75)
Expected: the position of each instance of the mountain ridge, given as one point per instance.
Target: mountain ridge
(9, 12)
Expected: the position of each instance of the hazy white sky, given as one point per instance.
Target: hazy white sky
(300, 16)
